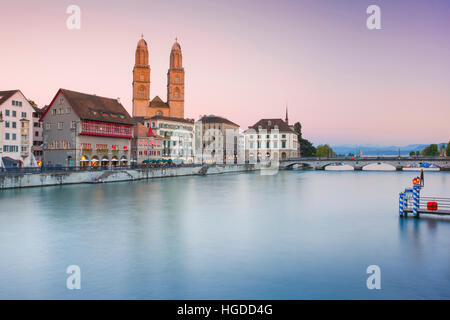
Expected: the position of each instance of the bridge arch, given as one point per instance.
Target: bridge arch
(303, 164)
(379, 166)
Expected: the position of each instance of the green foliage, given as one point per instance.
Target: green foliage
(306, 147)
(442, 149)
(412, 154)
(325, 151)
(447, 150)
(417, 153)
(431, 151)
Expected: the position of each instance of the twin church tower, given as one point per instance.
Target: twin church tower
(142, 106)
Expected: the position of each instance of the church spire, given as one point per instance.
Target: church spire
(141, 80)
(176, 58)
(287, 118)
(175, 82)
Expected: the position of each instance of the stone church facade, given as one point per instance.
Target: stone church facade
(142, 106)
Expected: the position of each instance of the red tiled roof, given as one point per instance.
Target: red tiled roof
(94, 108)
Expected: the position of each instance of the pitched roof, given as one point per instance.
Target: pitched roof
(269, 124)
(143, 131)
(190, 121)
(94, 108)
(5, 95)
(216, 119)
(158, 103)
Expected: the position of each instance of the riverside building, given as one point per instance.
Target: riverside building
(271, 139)
(16, 136)
(86, 130)
(216, 140)
(177, 134)
(146, 146)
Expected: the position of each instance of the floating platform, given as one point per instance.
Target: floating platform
(410, 201)
(425, 211)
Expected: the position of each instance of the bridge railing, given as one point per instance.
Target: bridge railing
(371, 158)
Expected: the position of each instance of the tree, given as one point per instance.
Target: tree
(447, 151)
(325, 150)
(306, 148)
(431, 151)
(412, 154)
(417, 153)
(442, 149)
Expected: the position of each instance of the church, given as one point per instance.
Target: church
(142, 106)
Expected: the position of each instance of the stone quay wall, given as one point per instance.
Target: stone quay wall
(24, 180)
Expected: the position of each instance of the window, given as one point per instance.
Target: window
(14, 113)
(14, 136)
(53, 111)
(48, 126)
(283, 144)
(283, 136)
(68, 110)
(14, 102)
(7, 113)
(36, 124)
(60, 125)
(268, 145)
(24, 114)
(36, 133)
(73, 124)
(7, 136)
(275, 144)
(6, 124)
(14, 124)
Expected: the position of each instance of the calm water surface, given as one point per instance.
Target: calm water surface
(295, 235)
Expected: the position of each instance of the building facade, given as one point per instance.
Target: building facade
(16, 135)
(177, 134)
(86, 130)
(142, 106)
(270, 139)
(37, 134)
(216, 140)
(146, 146)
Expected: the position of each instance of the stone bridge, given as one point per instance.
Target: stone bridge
(359, 163)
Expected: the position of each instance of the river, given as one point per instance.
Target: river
(294, 235)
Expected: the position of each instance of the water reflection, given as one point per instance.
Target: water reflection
(295, 235)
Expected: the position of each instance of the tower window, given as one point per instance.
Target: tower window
(176, 93)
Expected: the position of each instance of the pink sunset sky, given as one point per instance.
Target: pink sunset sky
(246, 60)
